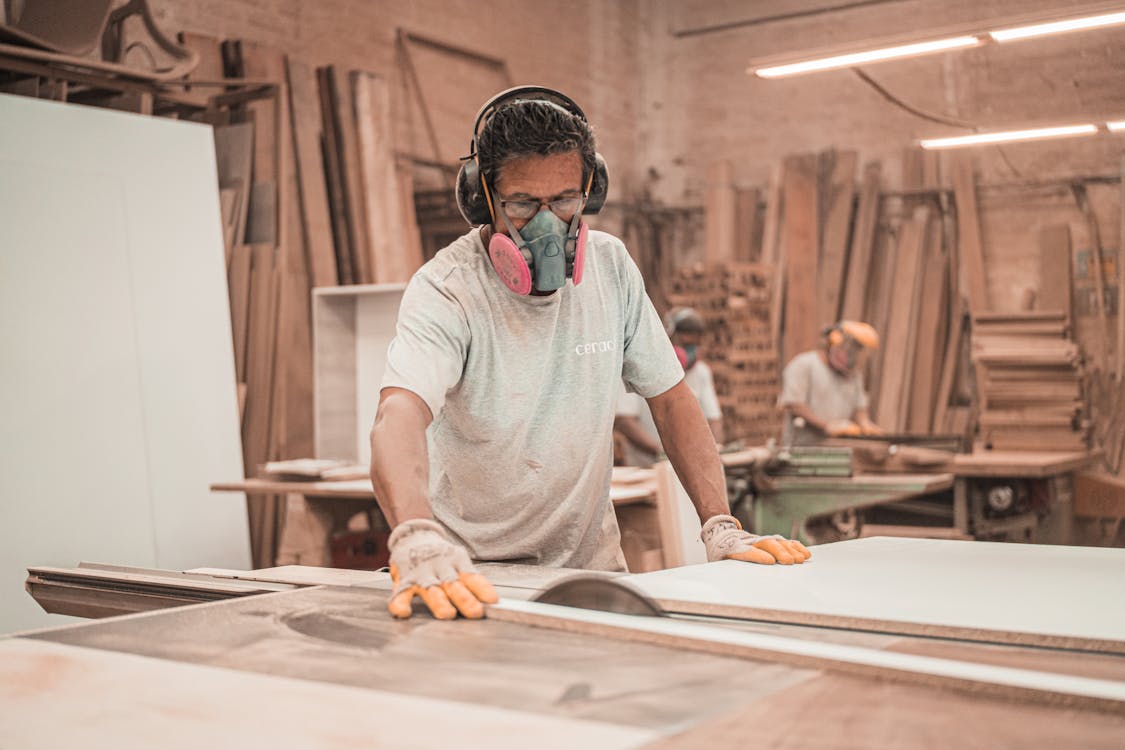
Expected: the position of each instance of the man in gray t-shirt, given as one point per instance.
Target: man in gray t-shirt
(493, 436)
(824, 387)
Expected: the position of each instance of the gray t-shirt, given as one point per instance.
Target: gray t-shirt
(808, 379)
(522, 391)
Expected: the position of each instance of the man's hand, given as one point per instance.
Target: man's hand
(425, 563)
(725, 540)
(842, 428)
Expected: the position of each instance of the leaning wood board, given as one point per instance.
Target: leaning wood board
(1046, 595)
(981, 679)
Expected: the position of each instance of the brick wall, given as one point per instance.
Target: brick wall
(585, 48)
(667, 100)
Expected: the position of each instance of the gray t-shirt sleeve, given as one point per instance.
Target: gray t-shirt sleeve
(427, 354)
(649, 366)
(796, 382)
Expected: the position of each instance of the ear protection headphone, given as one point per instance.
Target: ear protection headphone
(512, 261)
(474, 197)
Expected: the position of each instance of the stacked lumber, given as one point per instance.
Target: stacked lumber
(370, 200)
(734, 301)
(311, 196)
(1029, 382)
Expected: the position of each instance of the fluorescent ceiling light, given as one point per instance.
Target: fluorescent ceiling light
(875, 55)
(1058, 27)
(1008, 136)
(1116, 127)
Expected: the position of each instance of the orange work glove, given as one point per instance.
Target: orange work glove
(870, 428)
(425, 563)
(842, 428)
(725, 540)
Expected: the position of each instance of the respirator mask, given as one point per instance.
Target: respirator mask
(542, 255)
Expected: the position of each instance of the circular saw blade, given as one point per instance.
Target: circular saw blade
(589, 591)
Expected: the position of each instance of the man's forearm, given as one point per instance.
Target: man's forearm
(400, 468)
(690, 446)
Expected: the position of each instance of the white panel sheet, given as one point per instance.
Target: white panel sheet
(119, 404)
(1070, 592)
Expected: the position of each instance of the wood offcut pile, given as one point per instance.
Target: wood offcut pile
(734, 302)
(1029, 382)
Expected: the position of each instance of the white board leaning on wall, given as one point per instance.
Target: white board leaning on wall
(117, 388)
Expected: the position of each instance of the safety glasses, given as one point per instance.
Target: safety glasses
(564, 208)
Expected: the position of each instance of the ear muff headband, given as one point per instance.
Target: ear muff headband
(474, 198)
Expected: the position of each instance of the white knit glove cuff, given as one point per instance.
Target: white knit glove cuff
(423, 555)
(723, 536)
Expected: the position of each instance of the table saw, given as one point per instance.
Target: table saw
(873, 643)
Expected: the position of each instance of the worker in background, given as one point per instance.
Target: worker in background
(634, 420)
(492, 440)
(824, 387)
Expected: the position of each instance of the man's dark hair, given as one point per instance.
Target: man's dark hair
(532, 127)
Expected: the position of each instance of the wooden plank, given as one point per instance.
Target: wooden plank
(1096, 268)
(920, 413)
(1099, 495)
(771, 229)
(1006, 682)
(239, 281)
(719, 213)
(1055, 269)
(261, 337)
(234, 157)
(969, 242)
(900, 324)
(863, 238)
(334, 175)
(920, 587)
(411, 235)
(347, 142)
(209, 67)
(748, 225)
(304, 110)
(799, 234)
(395, 258)
(1029, 464)
(837, 204)
(1121, 277)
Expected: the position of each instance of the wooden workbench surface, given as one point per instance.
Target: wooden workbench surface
(631, 486)
(1029, 464)
(288, 666)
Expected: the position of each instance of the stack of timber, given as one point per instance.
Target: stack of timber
(1029, 382)
(734, 301)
